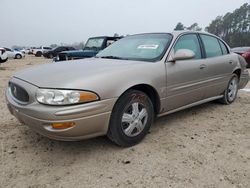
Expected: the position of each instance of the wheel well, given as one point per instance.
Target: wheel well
(237, 72)
(152, 94)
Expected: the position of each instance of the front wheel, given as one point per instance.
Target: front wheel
(230, 93)
(131, 118)
(3, 61)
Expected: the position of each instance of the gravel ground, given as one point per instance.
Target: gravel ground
(205, 146)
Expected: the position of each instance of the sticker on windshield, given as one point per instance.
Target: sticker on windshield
(148, 46)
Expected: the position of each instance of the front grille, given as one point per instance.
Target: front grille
(19, 93)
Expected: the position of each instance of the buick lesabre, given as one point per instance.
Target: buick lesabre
(119, 92)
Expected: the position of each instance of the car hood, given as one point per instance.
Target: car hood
(71, 51)
(73, 74)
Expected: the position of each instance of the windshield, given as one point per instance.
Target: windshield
(143, 47)
(94, 43)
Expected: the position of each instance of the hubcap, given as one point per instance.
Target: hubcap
(232, 89)
(134, 119)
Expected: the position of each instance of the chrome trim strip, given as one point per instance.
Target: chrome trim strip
(197, 83)
(190, 105)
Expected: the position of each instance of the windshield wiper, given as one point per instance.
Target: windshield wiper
(111, 57)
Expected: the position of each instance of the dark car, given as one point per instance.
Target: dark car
(92, 47)
(244, 52)
(55, 51)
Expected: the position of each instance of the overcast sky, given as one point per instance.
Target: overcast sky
(44, 22)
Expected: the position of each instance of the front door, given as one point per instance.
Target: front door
(184, 77)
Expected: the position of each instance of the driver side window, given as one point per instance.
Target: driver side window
(190, 42)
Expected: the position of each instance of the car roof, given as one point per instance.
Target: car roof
(106, 37)
(177, 33)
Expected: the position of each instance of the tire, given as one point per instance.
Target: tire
(38, 54)
(51, 56)
(18, 56)
(230, 93)
(3, 61)
(131, 118)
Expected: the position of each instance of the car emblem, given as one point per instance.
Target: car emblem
(15, 91)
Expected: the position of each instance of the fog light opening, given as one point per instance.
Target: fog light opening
(63, 125)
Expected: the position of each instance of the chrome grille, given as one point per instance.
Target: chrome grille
(19, 93)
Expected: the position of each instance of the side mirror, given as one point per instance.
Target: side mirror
(183, 54)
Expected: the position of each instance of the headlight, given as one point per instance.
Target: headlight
(64, 97)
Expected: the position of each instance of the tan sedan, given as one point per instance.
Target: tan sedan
(120, 91)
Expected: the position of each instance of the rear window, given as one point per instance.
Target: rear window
(223, 48)
(212, 46)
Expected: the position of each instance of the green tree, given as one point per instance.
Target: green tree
(233, 27)
(179, 27)
(194, 27)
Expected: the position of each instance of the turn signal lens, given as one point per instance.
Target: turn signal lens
(86, 96)
(62, 125)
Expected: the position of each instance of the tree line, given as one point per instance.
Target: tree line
(233, 27)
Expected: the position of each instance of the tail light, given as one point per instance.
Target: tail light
(246, 54)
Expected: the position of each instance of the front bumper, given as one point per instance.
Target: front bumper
(91, 119)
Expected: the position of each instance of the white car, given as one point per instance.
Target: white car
(38, 52)
(3, 55)
(14, 54)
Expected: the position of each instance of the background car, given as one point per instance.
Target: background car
(14, 54)
(38, 52)
(20, 50)
(54, 52)
(30, 50)
(3, 55)
(244, 52)
(92, 47)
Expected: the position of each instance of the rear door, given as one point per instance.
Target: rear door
(184, 77)
(219, 65)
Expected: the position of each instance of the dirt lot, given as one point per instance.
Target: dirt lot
(206, 146)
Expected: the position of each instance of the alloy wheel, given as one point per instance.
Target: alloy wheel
(134, 119)
(232, 89)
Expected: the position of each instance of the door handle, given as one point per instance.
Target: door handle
(203, 66)
(230, 62)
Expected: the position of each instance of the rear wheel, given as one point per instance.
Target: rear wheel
(18, 56)
(38, 54)
(131, 118)
(230, 93)
(51, 56)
